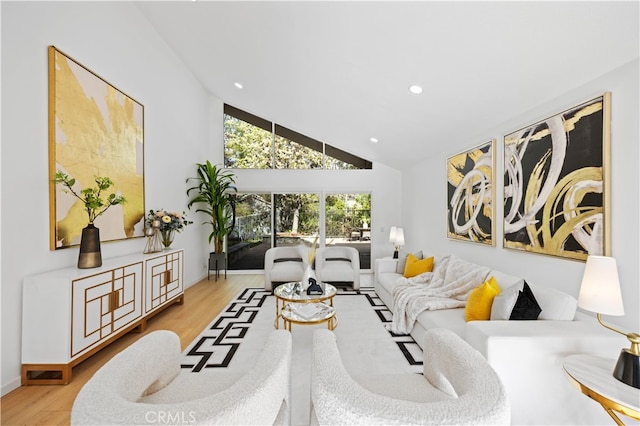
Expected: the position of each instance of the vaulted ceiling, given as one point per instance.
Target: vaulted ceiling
(340, 71)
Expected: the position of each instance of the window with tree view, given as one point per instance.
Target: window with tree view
(348, 223)
(296, 220)
(248, 141)
(251, 142)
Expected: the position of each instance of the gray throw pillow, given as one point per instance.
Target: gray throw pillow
(402, 261)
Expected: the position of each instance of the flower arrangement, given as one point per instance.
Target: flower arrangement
(92, 199)
(167, 221)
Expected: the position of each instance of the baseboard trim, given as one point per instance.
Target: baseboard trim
(10, 387)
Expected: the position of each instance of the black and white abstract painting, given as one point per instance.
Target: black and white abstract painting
(470, 194)
(555, 184)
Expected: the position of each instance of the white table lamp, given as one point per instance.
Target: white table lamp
(600, 293)
(396, 237)
(392, 234)
(392, 239)
(399, 238)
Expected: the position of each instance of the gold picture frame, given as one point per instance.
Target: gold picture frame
(471, 194)
(557, 184)
(94, 130)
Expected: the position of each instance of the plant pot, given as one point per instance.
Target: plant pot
(90, 255)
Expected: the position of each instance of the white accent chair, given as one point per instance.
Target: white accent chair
(284, 264)
(336, 264)
(144, 384)
(458, 387)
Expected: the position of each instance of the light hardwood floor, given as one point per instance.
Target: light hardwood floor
(51, 405)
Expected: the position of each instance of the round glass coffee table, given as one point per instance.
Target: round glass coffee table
(293, 293)
(309, 314)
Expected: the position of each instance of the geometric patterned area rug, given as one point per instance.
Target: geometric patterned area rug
(219, 342)
(234, 339)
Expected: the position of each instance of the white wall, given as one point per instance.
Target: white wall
(183, 126)
(424, 216)
(116, 42)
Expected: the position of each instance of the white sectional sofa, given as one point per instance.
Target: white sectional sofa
(527, 355)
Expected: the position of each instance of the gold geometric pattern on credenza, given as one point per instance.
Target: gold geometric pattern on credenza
(163, 280)
(103, 304)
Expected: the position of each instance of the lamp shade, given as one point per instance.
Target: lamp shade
(400, 237)
(392, 235)
(600, 288)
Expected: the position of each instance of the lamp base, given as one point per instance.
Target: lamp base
(395, 254)
(627, 368)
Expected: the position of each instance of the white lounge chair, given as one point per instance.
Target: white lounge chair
(458, 387)
(144, 384)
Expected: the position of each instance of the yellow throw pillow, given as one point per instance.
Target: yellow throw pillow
(417, 266)
(480, 300)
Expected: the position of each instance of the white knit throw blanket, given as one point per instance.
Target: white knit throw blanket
(448, 286)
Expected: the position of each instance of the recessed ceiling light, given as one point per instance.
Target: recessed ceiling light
(238, 85)
(415, 89)
(374, 140)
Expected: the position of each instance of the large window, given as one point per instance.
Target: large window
(251, 142)
(296, 151)
(248, 141)
(266, 220)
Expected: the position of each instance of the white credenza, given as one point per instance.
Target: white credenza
(70, 314)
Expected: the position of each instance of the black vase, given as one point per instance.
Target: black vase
(90, 255)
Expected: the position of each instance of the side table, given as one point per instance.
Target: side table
(593, 376)
(215, 260)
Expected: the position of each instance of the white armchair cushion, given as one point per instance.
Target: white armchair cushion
(338, 399)
(338, 264)
(284, 264)
(408, 387)
(144, 381)
(287, 271)
(337, 270)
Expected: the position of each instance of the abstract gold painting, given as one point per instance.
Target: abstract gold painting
(470, 194)
(95, 130)
(556, 193)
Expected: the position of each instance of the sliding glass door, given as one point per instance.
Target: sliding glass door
(266, 220)
(348, 223)
(251, 237)
(296, 219)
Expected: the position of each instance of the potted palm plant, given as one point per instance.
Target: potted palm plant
(214, 193)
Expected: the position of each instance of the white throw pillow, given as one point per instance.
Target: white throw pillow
(555, 304)
(503, 303)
